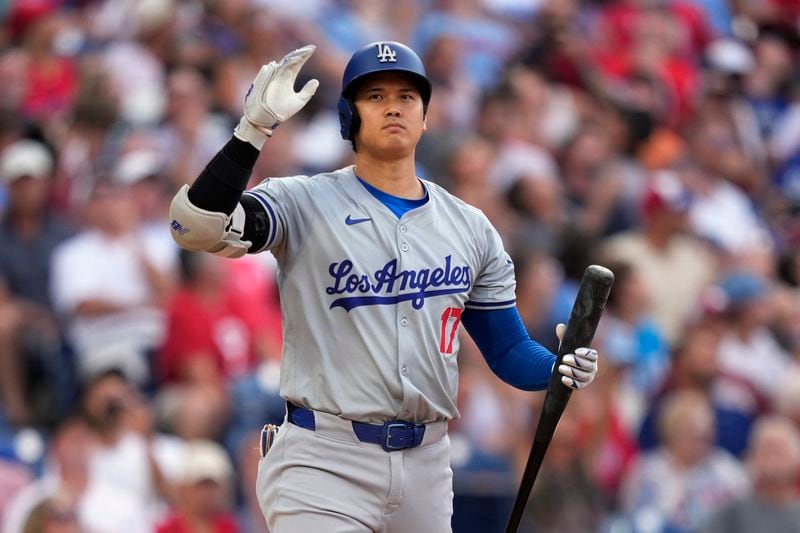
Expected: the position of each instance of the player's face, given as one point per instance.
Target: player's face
(392, 118)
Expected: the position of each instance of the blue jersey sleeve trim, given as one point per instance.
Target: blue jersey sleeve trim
(271, 214)
(489, 305)
(508, 349)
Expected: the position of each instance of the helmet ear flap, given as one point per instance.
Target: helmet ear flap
(345, 117)
(349, 121)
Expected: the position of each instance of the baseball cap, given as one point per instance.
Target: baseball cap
(25, 158)
(729, 56)
(206, 461)
(743, 287)
(666, 192)
(136, 166)
(22, 15)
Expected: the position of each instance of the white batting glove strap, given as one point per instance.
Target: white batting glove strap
(579, 369)
(271, 98)
(248, 132)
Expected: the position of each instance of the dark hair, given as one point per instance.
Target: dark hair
(577, 251)
(789, 268)
(622, 273)
(93, 380)
(46, 510)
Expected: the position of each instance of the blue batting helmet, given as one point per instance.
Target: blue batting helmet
(382, 56)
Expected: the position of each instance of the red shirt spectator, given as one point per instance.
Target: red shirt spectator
(51, 80)
(206, 327)
(221, 314)
(178, 524)
(51, 88)
(612, 454)
(635, 39)
(620, 25)
(252, 284)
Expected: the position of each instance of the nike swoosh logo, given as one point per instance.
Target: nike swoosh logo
(350, 221)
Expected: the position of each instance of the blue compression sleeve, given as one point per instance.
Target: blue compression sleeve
(508, 349)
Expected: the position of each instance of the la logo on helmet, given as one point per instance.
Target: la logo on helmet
(386, 54)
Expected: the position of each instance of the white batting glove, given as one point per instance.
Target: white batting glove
(271, 98)
(579, 369)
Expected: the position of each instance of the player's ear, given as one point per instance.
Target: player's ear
(424, 124)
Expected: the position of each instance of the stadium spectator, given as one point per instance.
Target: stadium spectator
(52, 516)
(251, 519)
(62, 486)
(606, 420)
(489, 42)
(261, 34)
(187, 139)
(674, 266)
(749, 354)
(630, 330)
(51, 76)
(679, 486)
(132, 469)
(566, 498)
(112, 323)
(695, 367)
(721, 211)
(203, 492)
(773, 463)
(218, 331)
(30, 340)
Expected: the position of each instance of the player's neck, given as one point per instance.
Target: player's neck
(397, 178)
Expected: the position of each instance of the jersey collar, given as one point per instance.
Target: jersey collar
(353, 187)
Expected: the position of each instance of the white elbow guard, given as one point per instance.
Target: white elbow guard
(197, 229)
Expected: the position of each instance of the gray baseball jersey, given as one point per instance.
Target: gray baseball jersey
(372, 303)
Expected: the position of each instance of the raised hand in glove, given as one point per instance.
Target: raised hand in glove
(271, 98)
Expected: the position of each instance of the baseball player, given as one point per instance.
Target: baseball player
(378, 271)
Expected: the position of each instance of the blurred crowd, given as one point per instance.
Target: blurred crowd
(660, 138)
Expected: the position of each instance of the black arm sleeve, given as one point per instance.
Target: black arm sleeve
(220, 185)
(256, 223)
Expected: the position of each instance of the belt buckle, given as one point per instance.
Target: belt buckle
(386, 436)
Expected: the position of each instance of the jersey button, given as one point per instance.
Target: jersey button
(404, 321)
(404, 370)
(404, 247)
(403, 229)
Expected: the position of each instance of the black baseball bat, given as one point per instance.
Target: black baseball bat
(586, 311)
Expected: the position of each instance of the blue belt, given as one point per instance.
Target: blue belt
(392, 435)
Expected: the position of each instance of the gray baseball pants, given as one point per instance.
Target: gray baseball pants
(327, 480)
